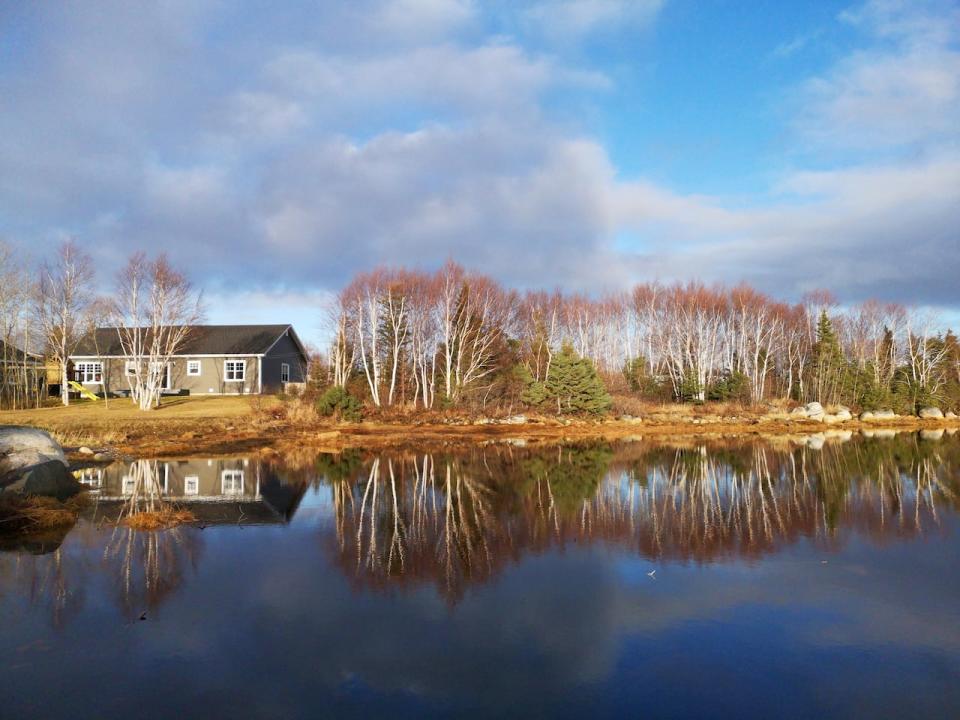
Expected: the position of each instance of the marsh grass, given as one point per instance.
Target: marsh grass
(28, 513)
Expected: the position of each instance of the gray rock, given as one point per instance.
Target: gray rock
(950, 415)
(868, 415)
(102, 457)
(514, 420)
(85, 450)
(23, 447)
(930, 412)
(800, 412)
(884, 414)
(51, 479)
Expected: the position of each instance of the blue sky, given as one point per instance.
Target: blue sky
(587, 144)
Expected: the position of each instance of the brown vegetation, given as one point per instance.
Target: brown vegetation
(25, 513)
(167, 516)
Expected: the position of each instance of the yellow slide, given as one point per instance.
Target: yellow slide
(82, 390)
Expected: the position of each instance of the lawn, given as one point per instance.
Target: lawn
(123, 410)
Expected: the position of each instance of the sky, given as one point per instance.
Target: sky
(273, 150)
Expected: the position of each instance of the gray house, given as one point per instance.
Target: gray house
(214, 360)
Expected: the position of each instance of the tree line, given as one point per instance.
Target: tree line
(455, 337)
(47, 311)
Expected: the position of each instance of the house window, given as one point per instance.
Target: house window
(90, 373)
(285, 372)
(235, 370)
(191, 485)
(130, 367)
(231, 482)
(193, 367)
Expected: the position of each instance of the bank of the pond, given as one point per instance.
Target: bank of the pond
(227, 426)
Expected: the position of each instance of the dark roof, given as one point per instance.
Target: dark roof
(201, 340)
(13, 354)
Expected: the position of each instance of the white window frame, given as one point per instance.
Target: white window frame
(166, 377)
(191, 485)
(89, 369)
(130, 368)
(227, 373)
(284, 372)
(193, 365)
(228, 482)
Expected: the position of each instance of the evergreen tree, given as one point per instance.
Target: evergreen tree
(574, 384)
(829, 365)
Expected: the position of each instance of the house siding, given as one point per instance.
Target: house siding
(285, 350)
(211, 380)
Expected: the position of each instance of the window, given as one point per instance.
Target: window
(231, 482)
(235, 370)
(163, 370)
(130, 367)
(191, 485)
(89, 373)
(285, 372)
(193, 367)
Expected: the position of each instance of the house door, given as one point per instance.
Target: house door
(165, 384)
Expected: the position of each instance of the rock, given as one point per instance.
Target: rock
(950, 415)
(50, 478)
(23, 447)
(930, 412)
(514, 420)
(884, 414)
(867, 416)
(843, 413)
(815, 411)
(102, 457)
(800, 412)
(85, 450)
(815, 442)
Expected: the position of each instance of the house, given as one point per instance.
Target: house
(213, 360)
(20, 372)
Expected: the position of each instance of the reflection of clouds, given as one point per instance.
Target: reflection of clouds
(552, 601)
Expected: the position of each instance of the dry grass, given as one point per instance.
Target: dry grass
(25, 513)
(163, 519)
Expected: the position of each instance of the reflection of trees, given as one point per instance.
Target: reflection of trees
(456, 519)
(145, 568)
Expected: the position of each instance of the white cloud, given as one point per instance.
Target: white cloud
(578, 18)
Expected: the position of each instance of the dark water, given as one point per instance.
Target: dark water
(814, 579)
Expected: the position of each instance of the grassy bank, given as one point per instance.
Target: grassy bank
(231, 425)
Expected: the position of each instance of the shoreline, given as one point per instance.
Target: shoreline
(373, 436)
(212, 427)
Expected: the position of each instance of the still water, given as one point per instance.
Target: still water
(764, 578)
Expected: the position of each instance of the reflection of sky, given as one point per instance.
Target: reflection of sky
(264, 625)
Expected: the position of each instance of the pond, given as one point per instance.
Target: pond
(725, 578)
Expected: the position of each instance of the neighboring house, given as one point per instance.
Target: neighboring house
(213, 360)
(15, 365)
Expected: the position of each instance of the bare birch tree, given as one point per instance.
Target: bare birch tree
(64, 293)
(154, 311)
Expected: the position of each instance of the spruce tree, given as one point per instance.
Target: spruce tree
(574, 384)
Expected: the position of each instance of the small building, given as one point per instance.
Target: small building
(22, 375)
(213, 360)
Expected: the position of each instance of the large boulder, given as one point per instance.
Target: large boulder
(930, 412)
(867, 416)
(815, 411)
(884, 415)
(23, 447)
(50, 479)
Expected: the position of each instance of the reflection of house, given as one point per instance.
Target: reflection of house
(214, 360)
(215, 490)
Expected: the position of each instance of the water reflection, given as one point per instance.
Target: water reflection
(457, 519)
